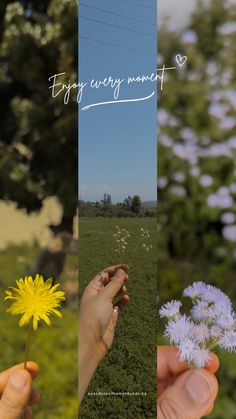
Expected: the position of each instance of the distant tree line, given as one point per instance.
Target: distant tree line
(130, 207)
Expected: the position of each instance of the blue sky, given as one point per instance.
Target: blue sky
(117, 141)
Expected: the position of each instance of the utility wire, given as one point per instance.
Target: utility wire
(116, 26)
(117, 14)
(139, 4)
(117, 45)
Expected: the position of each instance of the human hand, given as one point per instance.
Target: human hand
(16, 391)
(97, 316)
(183, 392)
(97, 320)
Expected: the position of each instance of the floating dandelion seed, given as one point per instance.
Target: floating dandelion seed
(212, 322)
(35, 300)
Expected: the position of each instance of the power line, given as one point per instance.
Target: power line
(139, 4)
(117, 14)
(116, 26)
(116, 45)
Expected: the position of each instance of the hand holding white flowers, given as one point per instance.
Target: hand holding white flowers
(212, 322)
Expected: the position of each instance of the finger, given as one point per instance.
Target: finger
(122, 302)
(105, 275)
(16, 395)
(32, 367)
(109, 333)
(28, 414)
(213, 363)
(34, 398)
(191, 396)
(169, 367)
(115, 284)
(168, 364)
(97, 284)
(111, 270)
(209, 410)
(122, 289)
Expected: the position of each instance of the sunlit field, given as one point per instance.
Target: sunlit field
(53, 348)
(131, 363)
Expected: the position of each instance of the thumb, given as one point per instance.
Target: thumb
(191, 396)
(115, 284)
(16, 395)
(109, 333)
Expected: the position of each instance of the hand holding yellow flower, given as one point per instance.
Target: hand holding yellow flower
(35, 300)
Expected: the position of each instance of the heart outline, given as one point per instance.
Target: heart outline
(181, 59)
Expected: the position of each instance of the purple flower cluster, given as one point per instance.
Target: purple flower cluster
(211, 322)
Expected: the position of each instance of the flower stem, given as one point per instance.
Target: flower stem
(213, 345)
(27, 343)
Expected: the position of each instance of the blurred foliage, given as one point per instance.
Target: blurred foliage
(53, 348)
(38, 134)
(131, 364)
(197, 165)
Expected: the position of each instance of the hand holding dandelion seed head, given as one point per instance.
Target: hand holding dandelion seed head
(97, 316)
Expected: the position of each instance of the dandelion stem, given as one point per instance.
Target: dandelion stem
(27, 343)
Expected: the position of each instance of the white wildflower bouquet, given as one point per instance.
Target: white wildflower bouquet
(211, 323)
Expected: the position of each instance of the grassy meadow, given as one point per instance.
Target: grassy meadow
(53, 348)
(130, 365)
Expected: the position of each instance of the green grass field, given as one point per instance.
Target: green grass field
(53, 348)
(131, 363)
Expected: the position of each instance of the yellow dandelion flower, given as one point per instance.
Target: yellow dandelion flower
(35, 299)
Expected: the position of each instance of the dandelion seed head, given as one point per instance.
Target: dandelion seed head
(196, 290)
(200, 332)
(200, 310)
(200, 357)
(212, 321)
(215, 331)
(215, 295)
(170, 309)
(228, 341)
(178, 330)
(186, 350)
(225, 320)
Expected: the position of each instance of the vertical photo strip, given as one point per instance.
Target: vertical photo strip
(38, 210)
(196, 210)
(117, 209)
